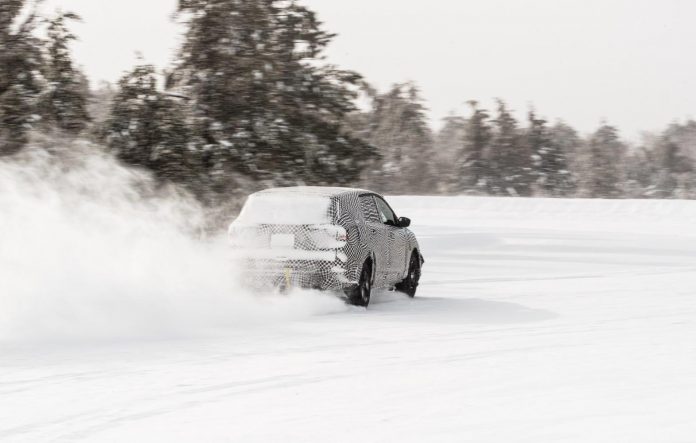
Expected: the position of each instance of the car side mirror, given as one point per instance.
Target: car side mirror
(404, 222)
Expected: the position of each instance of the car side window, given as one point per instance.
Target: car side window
(386, 214)
(369, 209)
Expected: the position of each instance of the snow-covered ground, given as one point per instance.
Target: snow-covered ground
(537, 321)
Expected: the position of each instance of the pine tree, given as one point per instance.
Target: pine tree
(673, 164)
(99, 104)
(641, 171)
(473, 162)
(64, 102)
(448, 144)
(399, 129)
(20, 81)
(571, 144)
(263, 102)
(147, 128)
(509, 160)
(550, 166)
(604, 160)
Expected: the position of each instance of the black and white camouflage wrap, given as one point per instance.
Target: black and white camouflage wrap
(326, 256)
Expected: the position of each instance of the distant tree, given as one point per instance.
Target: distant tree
(673, 160)
(147, 128)
(99, 103)
(550, 169)
(684, 136)
(398, 127)
(448, 146)
(509, 158)
(673, 163)
(603, 162)
(63, 104)
(263, 102)
(641, 171)
(571, 144)
(473, 162)
(20, 78)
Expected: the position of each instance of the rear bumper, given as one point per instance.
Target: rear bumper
(293, 268)
(285, 255)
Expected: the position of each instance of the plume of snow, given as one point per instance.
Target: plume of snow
(93, 250)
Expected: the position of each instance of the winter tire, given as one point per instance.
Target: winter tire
(359, 295)
(409, 284)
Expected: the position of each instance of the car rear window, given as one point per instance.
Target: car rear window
(286, 209)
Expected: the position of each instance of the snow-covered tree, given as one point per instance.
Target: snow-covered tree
(571, 144)
(603, 163)
(147, 128)
(473, 163)
(20, 78)
(63, 103)
(447, 147)
(398, 128)
(550, 169)
(509, 158)
(263, 101)
(99, 103)
(670, 162)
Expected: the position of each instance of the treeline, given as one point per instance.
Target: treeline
(490, 152)
(249, 102)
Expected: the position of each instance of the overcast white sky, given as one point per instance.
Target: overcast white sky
(630, 62)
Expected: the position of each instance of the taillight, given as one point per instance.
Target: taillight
(341, 235)
(328, 236)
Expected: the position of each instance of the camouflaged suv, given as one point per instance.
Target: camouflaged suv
(339, 239)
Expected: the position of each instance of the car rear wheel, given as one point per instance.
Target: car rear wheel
(359, 295)
(409, 284)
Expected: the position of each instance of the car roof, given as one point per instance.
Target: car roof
(317, 191)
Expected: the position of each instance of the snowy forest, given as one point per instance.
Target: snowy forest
(250, 102)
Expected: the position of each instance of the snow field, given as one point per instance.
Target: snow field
(537, 321)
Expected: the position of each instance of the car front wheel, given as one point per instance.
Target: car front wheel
(409, 284)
